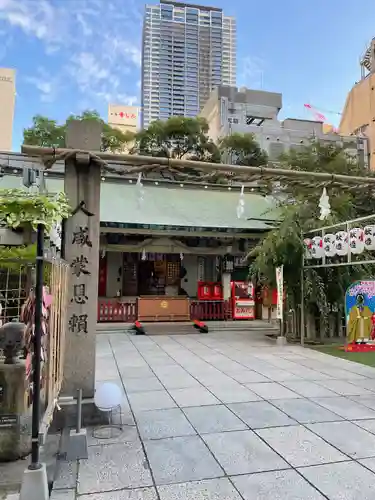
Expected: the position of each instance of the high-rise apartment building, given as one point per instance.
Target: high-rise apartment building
(188, 50)
(7, 103)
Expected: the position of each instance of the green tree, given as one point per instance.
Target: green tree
(243, 149)
(48, 133)
(179, 138)
(299, 212)
(45, 133)
(183, 139)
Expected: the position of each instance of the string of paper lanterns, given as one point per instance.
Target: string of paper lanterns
(341, 243)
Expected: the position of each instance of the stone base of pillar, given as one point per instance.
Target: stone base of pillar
(34, 484)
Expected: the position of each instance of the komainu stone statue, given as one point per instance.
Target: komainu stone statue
(12, 341)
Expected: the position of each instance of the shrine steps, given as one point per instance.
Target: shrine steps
(187, 328)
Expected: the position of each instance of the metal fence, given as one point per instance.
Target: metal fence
(17, 303)
(56, 332)
(318, 329)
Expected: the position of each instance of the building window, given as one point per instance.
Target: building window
(251, 120)
(166, 11)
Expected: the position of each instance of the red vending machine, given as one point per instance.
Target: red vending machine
(243, 300)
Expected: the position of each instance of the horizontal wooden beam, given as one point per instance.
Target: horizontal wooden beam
(263, 172)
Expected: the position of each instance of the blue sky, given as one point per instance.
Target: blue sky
(72, 55)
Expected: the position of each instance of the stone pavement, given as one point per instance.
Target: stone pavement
(228, 417)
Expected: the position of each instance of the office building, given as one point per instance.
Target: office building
(7, 103)
(243, 110)
(124, 118)
(358, 116)
(188, 50)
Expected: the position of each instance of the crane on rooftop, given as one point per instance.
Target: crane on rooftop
(319, 116)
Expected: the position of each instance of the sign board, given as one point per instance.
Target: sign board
(123, 115)
(360, 311)
(7, 421)
(280, 292)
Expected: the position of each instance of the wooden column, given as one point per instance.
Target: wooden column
(82, 187)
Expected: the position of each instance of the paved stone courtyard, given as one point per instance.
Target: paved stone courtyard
(228, 417)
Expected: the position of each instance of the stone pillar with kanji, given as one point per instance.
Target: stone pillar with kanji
(82, 231)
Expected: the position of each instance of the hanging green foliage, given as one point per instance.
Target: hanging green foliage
(21, 259)
(22, 253)
(19, 208)
(17, 257)
(299, 213)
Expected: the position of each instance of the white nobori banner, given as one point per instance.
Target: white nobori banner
(280, 291)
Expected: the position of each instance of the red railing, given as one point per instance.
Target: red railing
(114, 311)
(211, 310)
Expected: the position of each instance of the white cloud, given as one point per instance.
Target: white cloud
(119, 47)
(47, 85)
(38, 18)
(87, 70)
(44, 87)
(6, 41)
(251, 72)
(95, 76)
(115, 98)
(97, 44)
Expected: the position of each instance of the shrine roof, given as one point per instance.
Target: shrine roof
(173, 205)
(183, 206)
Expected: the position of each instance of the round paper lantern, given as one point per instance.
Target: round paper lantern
(329, 247)
(307, 243)
(317, 250)
(369, 237)
(108, 396)
(342, 243)
(356, 240)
